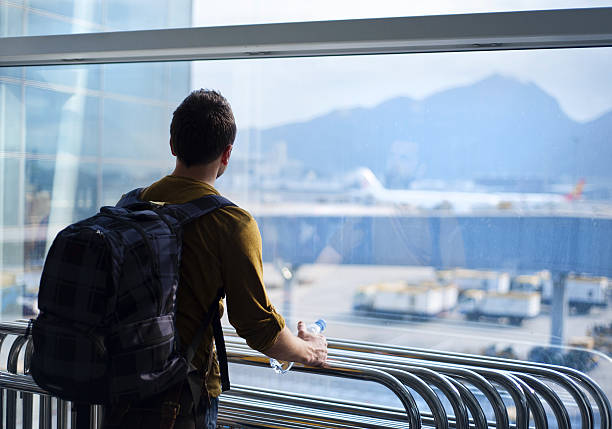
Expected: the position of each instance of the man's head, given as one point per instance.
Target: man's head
(202, 128)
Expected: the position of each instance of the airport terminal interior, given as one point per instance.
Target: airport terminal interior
(431, 178)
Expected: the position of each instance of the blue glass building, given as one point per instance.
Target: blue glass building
(74, 138)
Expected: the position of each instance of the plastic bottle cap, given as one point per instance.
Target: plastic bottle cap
(322, 324)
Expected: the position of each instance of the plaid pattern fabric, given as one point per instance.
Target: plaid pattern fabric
(107, 295)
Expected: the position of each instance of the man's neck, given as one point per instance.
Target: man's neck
(206, 173)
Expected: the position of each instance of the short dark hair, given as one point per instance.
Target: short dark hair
(202, 127)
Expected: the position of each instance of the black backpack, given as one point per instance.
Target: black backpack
(106, 329)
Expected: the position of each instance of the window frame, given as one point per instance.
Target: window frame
(544, 29)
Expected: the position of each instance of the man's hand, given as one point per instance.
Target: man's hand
(316, 344)
(306, 348)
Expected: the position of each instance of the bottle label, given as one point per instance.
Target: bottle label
(280, 367)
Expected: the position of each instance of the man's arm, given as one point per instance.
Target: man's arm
(306, 348)
(248, 305)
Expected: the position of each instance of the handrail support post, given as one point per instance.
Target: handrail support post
(559, 308)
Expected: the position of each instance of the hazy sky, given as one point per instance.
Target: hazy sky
(276, 91)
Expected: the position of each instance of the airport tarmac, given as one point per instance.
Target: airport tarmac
(326, 291)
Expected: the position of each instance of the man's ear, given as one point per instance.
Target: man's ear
(172, 148)
(225, 156)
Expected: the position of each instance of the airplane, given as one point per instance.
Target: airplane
(370, 190)
(361, 186)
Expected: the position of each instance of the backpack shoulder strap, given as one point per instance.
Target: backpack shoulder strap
(212, 316)
(185, 212)
(130, 198)
(191, 210)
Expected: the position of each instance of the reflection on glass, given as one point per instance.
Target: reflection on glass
(69, 8)
(65, 77)
(42, 24)
(10, 98)
(11, 19)
(126, 79)
(50, 17)
(117, 179)
(58, 121)
(436, 201)
(143, 124)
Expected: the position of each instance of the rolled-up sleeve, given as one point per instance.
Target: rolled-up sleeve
(249, 309)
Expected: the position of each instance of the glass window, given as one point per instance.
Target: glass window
(11, 190)
(61, 122)
(66, 76)
(427, 200)
(11, 132)
(69, 8)
(146, 15)
(145, 126)
(42, 24)
(64, 154)
(126, 79)
(11, 20)
(52, 17)
(7, 72)
(118, 178)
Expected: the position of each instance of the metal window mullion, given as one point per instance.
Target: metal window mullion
(445, 33)
(2, 174)
(21, 199)
(99, 146)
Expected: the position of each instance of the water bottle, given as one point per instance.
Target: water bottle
(281, 367)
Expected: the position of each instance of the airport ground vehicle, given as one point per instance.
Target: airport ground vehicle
(602, 337)
(494, 281)
(512, 306)
(401, 298)
(583, 293)
(530, 282)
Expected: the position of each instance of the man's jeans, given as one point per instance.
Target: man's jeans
(162, 413)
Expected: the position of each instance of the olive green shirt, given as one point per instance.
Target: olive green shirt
(220, 249)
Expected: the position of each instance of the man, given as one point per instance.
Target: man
(222, 248)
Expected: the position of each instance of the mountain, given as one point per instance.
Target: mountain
(495, 127)
(594, 147)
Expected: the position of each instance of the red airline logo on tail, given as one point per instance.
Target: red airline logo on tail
(576, 194)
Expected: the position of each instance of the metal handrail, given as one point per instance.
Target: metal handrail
(344, 370)
(476, 363)
(521, 385)
(387, 364)
(478, 416)
(497, 404)
(25, 384)
(396, 368)
(551, 397)
(426, 392)
(287, 414)
(581, 399)
(333, 404)
(20, 382)
(524, 367)
(534, 405)
(451, 392)
(584, 406)
(407, 377)
(234, 410)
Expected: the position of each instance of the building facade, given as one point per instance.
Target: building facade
(73, 138)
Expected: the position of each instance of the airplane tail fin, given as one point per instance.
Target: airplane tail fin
(365, 180)
(576, 193)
